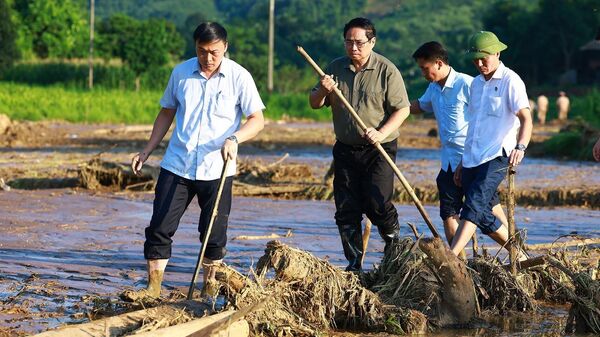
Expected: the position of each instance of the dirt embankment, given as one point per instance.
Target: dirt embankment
(58, 155)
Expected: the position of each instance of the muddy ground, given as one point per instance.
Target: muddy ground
(65, 246)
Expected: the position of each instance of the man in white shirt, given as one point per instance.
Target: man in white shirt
(447, 96)
(500, 126)
(207, 96)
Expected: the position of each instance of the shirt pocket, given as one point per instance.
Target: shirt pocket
(495, 106)
(372, 98)
(226, 107)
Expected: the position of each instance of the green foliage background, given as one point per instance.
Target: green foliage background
(143, 39)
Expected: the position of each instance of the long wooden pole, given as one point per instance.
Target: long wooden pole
(512, 252)
(213, 216)
(389, 160)
(91, 55)
(271, 45)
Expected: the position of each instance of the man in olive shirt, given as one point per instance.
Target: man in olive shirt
(363, 181)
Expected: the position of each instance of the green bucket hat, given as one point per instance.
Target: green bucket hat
(483, 44)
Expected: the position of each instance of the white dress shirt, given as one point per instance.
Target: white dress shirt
(492, 114)
(208, 111)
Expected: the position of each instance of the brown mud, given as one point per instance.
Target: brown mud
(67, 250)
(286, 161)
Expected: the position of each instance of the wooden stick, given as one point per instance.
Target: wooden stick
(389, 160)
(215, 210)
(512, 252)
(475, 246)
(365, 239)
(414, 230)
(532, 262)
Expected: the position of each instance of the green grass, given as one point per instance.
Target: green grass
(24, 102)
(74, 75)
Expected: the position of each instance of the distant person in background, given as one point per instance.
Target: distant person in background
(447, 96)
(542, 108)
(596, 151)
(363, 181)
(500, 127)
(562, 104)
(532, 105)
(207, 96)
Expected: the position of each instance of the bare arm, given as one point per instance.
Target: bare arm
(524, 136)
(162, 123)
(253, 125)
(393, 123)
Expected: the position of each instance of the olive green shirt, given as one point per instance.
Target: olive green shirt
(375, 93)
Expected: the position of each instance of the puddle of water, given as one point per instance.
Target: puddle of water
(83, 244)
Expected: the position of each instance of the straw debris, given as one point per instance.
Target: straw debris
(306, 295)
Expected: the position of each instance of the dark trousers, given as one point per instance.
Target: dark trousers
(480, 184)
(173, 194)
(363, 184)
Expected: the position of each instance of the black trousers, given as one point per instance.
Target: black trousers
(363, 184)
(173, 194)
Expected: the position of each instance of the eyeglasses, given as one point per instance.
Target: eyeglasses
(359, 44)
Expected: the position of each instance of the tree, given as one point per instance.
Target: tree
(113, 35)
(56, 28)
(553, 35)
(141, 45)
(151, 45)
(9, 52)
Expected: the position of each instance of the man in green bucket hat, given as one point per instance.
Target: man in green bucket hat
(500, 126)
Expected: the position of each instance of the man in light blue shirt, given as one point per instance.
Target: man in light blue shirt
(206, 96)
(447, 96)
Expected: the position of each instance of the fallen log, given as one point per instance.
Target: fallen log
(240, 188)
(261, 237)
(126, 323)
(558, 244)
(201, 327)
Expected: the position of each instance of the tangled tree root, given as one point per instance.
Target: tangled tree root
(584, 315)
(499, 291)
(425, 276)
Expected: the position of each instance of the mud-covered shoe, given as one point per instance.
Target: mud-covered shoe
(140, 295)
(152, 292)
(211, 289)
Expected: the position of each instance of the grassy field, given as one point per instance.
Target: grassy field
(24, 102)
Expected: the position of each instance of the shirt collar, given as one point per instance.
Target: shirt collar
(497, 74)
(370, 65)
(451, 78)
(223, 69)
